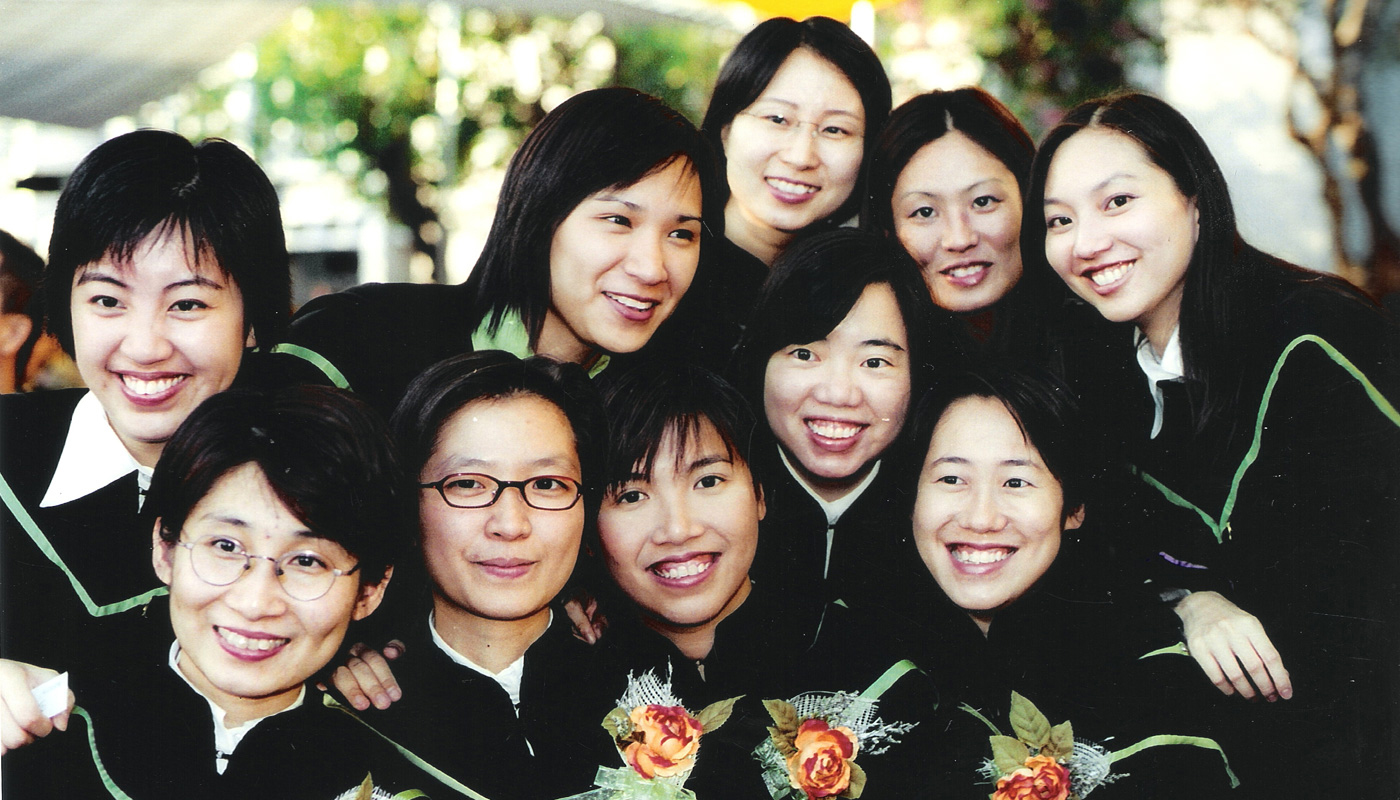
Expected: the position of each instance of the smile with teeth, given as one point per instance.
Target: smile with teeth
(1110, 274)
(684, 569)
(963, 271)
(969, 555)
(789, 187)
(241, 642)
(834, 429)
(145, 388)
(631, 302)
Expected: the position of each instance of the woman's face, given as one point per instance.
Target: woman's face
(154, 337)
(837, 403)
(988, 516)
(619, 263)
(1118, 231)
(957, 210)
(794, 154)
(508, 560)
(249, 645)
(680, 542)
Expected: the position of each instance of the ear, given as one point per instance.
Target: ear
(162, 555)
(1195, 222)
(14, 329)
(371, 595)
(762, 503)
(1075, 519)
(252, 340)
(724, 136)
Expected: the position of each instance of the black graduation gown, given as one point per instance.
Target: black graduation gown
(463, 723)
(98, 537)
(154, 736)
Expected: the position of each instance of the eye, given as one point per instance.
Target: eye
(1056, 221)
(627, 497)
(985, 201)
(463, 483)
(1017, 483)
(951, 480)
(876, 362)
(1118, 200)
(618, 219)
(709, 481)
(105, 301)
(305, 562)
(835, 132)
(776, 119)
(802, 354)
(222, 547)
(186, 306)
(684, 234)
(922, 212)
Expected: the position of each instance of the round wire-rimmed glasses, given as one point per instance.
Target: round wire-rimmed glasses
(304, 574)
(479, 490)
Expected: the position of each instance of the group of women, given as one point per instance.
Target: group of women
(1040, 422)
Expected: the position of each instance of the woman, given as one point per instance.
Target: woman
(1015, 603)
(496, 690)
(167, 262)
(602, 216)
(842, 334)
(1232, 420)
(946, 180)
(305, 480)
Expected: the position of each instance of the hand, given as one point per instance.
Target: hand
(583, 613)
(1232, 648)
(21, 721)
(366, 678)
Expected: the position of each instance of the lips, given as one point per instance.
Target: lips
(834, 435)
(979, 559)
(789, 191)
(632, 307)
(507, 568)
(1109, 277)
(250, 645)
(684, 571)
(966, 274)
(151, 389)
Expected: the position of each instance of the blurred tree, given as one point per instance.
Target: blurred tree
(677, 64)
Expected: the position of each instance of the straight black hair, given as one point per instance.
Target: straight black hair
(756, 59)
(156, 182)
(595, 140)
(646, 406)
(1045, 410)
(450, 385)
(326, 455)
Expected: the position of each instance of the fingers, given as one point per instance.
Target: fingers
(21, 721)
(579, 616)
(366, 678)
(393, 649)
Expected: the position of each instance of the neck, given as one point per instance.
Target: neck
(761, 241)
(696, 641)
(560, 343)
(828, 489)
(984, 622)
(491, 643)
(145, 453)
(1158, 325)
(237, 710)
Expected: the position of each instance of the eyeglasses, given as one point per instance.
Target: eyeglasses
(783, 126)
(305, 575)
(476, 490)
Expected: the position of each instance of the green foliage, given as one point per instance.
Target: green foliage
(677, 64)
(1030, 725)
(1008, 754)
(716, 714)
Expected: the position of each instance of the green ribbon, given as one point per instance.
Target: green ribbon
(448, 780)
(107, 781)
(316, 360)
(1220, 528)
(1178, 649)
(885, 681)
(978, 714)
(1166, 738)
(625, 783)
(42, 542)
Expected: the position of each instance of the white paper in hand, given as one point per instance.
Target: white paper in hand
(52, 695)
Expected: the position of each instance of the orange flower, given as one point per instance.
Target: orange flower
(1042, 778)
(669, 740)
(821, 766)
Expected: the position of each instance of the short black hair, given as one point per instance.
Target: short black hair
(156, 182)
(325, 454)
(1045, 409)
(646, 406)
(595, 140)
(450, 385)
(756, 59)
(813, 286)
(928, 117)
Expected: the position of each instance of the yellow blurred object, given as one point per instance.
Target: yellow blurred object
(836, 9)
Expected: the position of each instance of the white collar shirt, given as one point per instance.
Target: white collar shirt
(93, 456)
(1170, 367)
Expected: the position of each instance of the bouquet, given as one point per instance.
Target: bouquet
(814, 740)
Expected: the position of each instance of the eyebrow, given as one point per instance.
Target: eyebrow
(882, 343)
(710, 460)
(1098, 187)
(88, 276)
(1010, 462)
(476, 464)
(794, 106)
(242, 524)
(612, 198)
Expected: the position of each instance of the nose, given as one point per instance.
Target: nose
(800, 149)
(257, 593)
(1090, 240)
(960, 236)
(145, 339)
(981, 514)
(679, 524)
(837, 386)
(510, 516)
(646, 261)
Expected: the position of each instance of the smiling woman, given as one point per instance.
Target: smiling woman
(602, 217)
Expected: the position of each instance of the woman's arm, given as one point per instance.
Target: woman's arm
(21, 721)
(1231, 647)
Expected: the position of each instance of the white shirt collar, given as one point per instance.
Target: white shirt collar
(226, 739)
(93, 456)
(832, 508)
(1170, 367)
(509, 678)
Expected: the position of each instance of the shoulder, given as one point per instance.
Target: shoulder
(33, 428)
(408, 303)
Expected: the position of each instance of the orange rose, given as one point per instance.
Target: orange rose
(821, 766)
(1042, 778)
(669, 740)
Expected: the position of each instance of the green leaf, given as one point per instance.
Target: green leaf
(786, 749)
(1030, 725)
(785, 717)
(716, 714)
(619, 724)
(1008, 754)
(857, 784)
(1061, 744)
